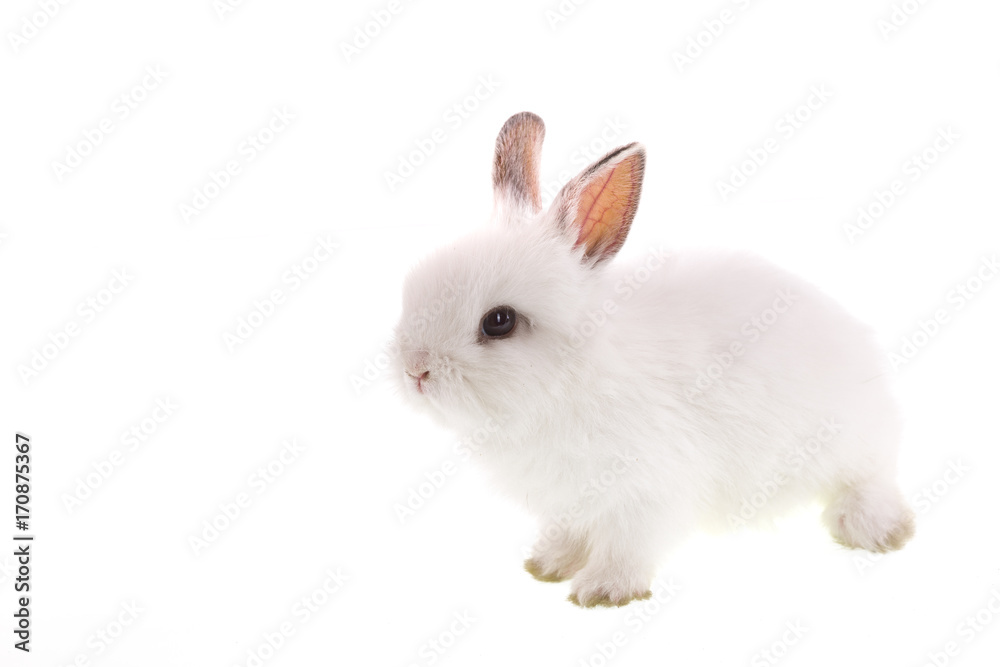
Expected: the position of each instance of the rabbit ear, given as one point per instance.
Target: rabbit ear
(596, 208)
(515, 167)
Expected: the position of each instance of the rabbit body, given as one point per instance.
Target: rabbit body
(635, 400)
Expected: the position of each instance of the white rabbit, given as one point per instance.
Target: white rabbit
(627, 403)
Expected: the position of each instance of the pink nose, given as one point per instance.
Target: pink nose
(420, 376)
(416, 364)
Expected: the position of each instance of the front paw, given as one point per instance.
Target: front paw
(548, 568)
(539, 571)
(556, 561)
(608, 591)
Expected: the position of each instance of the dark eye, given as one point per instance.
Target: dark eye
(499, 322)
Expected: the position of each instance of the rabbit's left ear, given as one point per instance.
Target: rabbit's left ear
(516, 179)
(596, 208)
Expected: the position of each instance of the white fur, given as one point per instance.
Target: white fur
(603, 433)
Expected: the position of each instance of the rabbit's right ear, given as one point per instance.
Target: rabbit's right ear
(516, 179)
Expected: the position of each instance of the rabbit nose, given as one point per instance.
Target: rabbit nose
(416, 365)
(416, 368)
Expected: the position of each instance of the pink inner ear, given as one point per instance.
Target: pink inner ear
(607, 204)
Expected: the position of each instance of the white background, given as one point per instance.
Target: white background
(602, 67)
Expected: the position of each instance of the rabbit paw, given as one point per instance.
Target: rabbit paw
(873, 516)
(548, 566)
(556, 559)
(611, 590)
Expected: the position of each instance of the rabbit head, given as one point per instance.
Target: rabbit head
(486, 322)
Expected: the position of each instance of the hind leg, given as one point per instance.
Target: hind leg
(870, 515)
